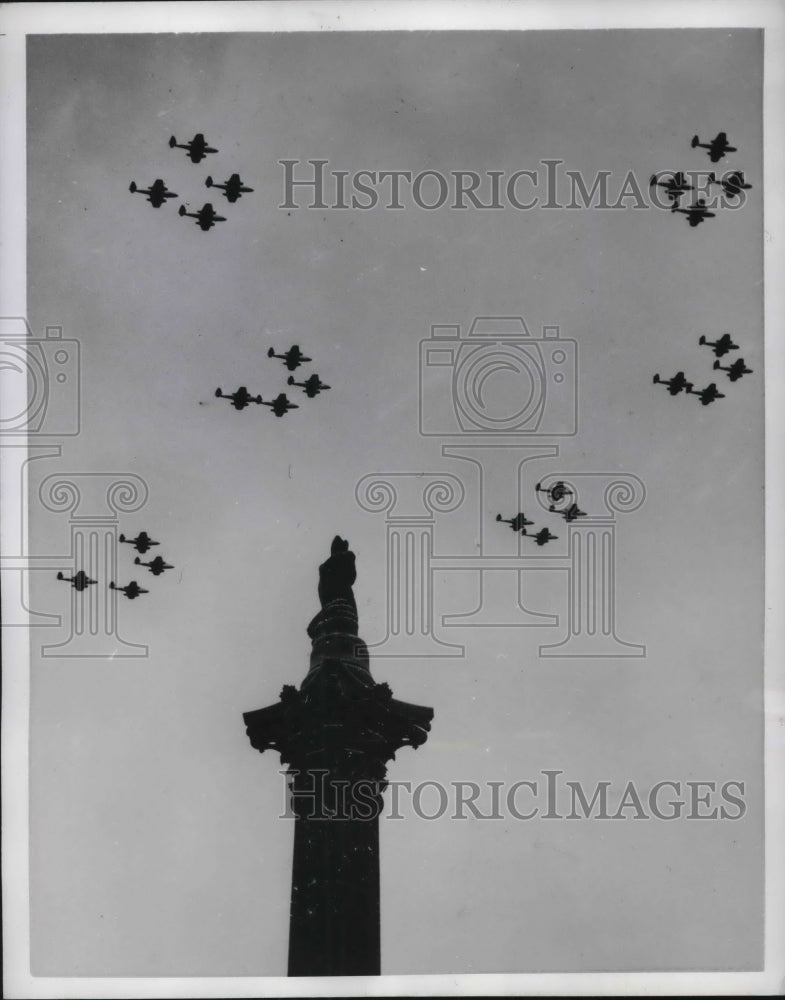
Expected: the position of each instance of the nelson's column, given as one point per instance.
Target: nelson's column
(336, 733)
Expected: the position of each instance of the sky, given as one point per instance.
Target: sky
(156, 847)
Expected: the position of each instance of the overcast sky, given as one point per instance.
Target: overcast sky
(155, 843)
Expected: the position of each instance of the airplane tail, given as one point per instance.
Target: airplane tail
(122, 538)
(652, 180)
(172, 142)
(259, 400)
(716, 365)
(181, 210)
(701, 339)
(498, 518)
(60, 576)
(695, 141)
(132, 187)
(209, 182)
(656, 379)
(290, 380)
(111, 585)
(137, 561)
(271, 353)
(218, 393)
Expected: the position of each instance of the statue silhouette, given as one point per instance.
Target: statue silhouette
(337, 574)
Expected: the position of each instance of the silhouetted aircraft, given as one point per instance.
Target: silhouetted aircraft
(80, 581)
(674, 186)
(707, 395)
(157, 193)
(197, 147)
(517, 523)
(205, 217)
(717, 148)
(556, 492)
(542, 537)
(232, 189)
(695, 213)
(675, 385)
(156, 566)
(721, 346)
(569, 513)
(280, 405)
(735, 371)
(141, 543)
(240, 399)
(311, 386)
(733, 184)
(131, 590)
(292, 358)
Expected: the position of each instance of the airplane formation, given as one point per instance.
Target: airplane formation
(676, 185)
(80, 581)
(720, 348)
(555, 493)
(280, 405)
(206, 217)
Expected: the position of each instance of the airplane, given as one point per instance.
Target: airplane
(157, 193)
(674, 186)
(312, 386)
(141, 543)
(675, 385)
(556, 492)
(280, 405)
(721, 346)
(516, 523)
(735, 371)
(695, 213)
(542, 537)
(708, 395)
(156, 566)
(205, 217)
(240, 399)
(80, 581)
(232, 189)
(197, 147)
(733, 184)
(131, 590)
(717, 148)
(292, 358)
(569, 513)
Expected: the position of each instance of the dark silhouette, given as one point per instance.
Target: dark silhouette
(542, 537)
(707, 395)
(79, 581)
(695, 213)
(280, 405)
(240, 399)
(197, 148)
(717, 148)
(141, 543)
(232, 189)
(131, 590)
(292, 358)
(569, 513)
(312, 386)
(721, 346)
(516, 523)
(733, 184)
(675, 186)
(157, 193)
(336, 732)
(735, 371)
(206, 217)
(554, 493)
(675, 385)
(156, 566)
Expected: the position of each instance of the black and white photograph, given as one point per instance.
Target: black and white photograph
(392, 548)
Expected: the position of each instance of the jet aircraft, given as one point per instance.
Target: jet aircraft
(156, 194)
(735, 371)
(554, 493)
(717, 148)
(517, 523)
(675, 385)
(280, 405)
(156, 566)
(131, 590)
(542, 537)
(206, 217)
(232, 189)
(197, 147)
(695, 213)
(312, 386)
(733, 184)
(141, 543)
(569, 513)
(707, 395)
(674, 186)
(292, 358)
(240, 399)
(721, 346)
(79, 581)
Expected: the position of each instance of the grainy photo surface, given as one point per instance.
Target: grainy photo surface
(396, 410)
